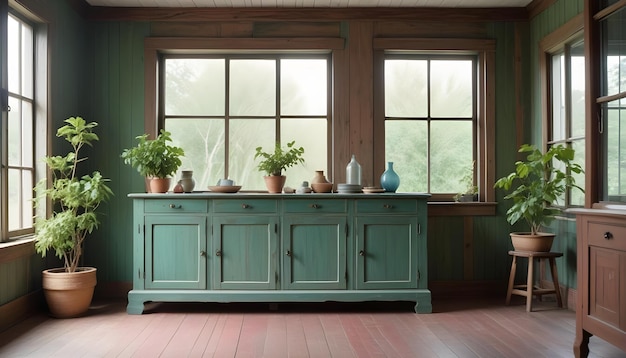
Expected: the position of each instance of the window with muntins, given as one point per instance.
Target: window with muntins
(220, 107)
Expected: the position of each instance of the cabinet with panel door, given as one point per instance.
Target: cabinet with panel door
(245, 247)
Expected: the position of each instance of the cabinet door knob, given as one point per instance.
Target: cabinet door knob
(388, 206)
(315, 206)
(361, 253)
(608, 235)
(174, 206)
(288, 253)
(203, 253)
(218, 253)
(245, 206)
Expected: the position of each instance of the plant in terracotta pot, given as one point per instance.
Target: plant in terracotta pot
(74, 199)
(155, 159)
(538, 183)
(274, 163)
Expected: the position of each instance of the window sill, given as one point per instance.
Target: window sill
(15, 249)
(474, 208)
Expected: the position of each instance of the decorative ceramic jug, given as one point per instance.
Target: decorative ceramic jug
(319, 177)
(353, 172)
(390, 181)
(187, 181)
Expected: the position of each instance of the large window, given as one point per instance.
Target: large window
(430, 120)
(219, 108)
(18, 145)
(567, 112)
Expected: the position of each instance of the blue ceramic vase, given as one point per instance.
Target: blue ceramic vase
(390, 181)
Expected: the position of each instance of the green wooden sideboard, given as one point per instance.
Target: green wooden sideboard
(254, 247)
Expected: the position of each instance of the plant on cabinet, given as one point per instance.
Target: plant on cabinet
(155, 159)
(74, 200)
(540, 181)
(274, 163)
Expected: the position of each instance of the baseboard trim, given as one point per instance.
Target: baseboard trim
(20, 308)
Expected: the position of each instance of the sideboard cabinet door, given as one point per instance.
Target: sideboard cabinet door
(175, 252)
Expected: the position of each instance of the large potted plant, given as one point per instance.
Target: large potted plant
(74, 199)
(274, 163)
(155, 159)
(538, 183)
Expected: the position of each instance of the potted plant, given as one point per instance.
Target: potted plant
(155, 159)
(74, 199)
(471, 191)
(274, 163)
(540, 180)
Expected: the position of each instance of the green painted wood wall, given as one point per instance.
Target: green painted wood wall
(97, 72)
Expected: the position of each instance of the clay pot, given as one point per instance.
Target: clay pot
(275, 183)
(160, 185)
(69, 294)
(524, 241)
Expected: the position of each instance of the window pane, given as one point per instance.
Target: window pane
(27, 62)
(14, 136)
(245, 136)
(451, 79)
(303, 87)
(311, 135)
(14, 59)
(27, 135)
(578, 197)
(614, 53)
(203, 142)
(194, 87)
(616, 152)
(451, 154)
(252, 87)
(558, 97)
(578, 90)
(406, 145)
(406, 89)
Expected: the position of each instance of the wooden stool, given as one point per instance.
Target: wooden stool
(529, 290)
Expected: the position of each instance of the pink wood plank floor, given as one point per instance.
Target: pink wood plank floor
(457, 328)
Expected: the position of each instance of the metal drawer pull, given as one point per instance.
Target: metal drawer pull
(245, 206)
(361, 253)
(288, 253)
(218, 252)
(203, 253)
(315, 206)
(388, 206)
(608, 235)
(174, 206)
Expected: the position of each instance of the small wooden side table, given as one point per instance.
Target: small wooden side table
(529, 290)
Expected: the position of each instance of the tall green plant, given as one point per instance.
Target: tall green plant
(74, 198)
(540, 183)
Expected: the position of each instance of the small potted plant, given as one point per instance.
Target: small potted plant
(539, 182)
(471, 191)
(155, 159)
(275, 162)
(74, 199)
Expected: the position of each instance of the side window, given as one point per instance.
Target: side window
(566, 122)
(430, 121)
(219, 108)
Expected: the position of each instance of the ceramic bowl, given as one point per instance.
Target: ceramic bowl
(322, 187)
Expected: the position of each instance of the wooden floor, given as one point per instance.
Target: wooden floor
(456, 328)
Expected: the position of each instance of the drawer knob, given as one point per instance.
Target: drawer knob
(388, 206)
(218, 252)
(288, 253)
(203, 253)
(608, 235)
(174, 206)
(245, 206)
(361, 253)
(315, 206)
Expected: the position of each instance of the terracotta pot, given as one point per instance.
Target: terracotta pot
(524, 241)
(160, 185)
(275, 183)
(69, 294)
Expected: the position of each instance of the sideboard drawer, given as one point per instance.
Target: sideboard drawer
(175, 206)
(315, 206)
(244, 206)
(386, 206)
(608, 235)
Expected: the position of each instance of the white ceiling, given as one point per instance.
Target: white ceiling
(313, 3)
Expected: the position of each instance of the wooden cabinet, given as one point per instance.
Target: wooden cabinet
(601, 305)
(206, 247)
